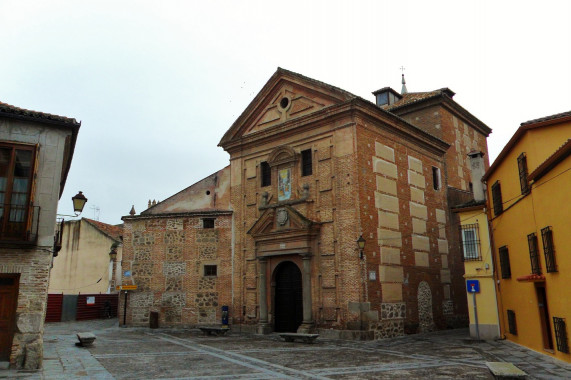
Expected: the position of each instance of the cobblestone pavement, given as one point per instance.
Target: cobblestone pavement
(186, 354)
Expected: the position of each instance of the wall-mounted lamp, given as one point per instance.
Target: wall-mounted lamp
(113, 252)
(79, 201)
(361, 244)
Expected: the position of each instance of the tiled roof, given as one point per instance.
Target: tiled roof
(547, 118)
(562, 152)
(10, 110)
(413, 97)
(114, 232)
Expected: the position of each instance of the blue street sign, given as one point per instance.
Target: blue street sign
(127, 273)
(473, 286)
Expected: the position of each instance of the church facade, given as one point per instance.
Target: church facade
(274, 236)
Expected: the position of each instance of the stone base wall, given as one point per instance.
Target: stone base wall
(33, 266)
(167, 257)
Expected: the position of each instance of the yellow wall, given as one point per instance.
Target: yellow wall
(82, 261)
(546, 205)
(482, 270)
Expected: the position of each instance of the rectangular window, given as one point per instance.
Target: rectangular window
(497, 198)
(208, 223)
(306, 164)
(16, 174)
(470, 242)
(505, 262)
(548, 250)
(210, 270)
(561, 334)
(436, 178)
(522, 167)
(533, 253)
(266, 172)
(512, 327)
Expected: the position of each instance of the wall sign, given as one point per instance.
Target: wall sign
(90, 300)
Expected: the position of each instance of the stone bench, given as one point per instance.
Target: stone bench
(86, 339)
(504, 370)
(306, 338)
(214, 330)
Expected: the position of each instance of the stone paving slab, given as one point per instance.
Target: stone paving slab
(140, 353)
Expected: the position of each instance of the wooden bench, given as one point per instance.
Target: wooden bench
(86, 339)
(214, 330)
(306, 338)
(504, 370)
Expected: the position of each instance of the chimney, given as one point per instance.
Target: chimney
(476, 173)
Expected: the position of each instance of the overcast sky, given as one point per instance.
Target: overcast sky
(156, 84)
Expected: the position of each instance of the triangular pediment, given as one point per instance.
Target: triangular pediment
(281, 219)
(286, 96)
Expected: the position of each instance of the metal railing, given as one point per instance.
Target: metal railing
(19, 224)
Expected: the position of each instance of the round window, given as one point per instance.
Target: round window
(284, 102)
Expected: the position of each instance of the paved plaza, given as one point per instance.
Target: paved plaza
(139, 353)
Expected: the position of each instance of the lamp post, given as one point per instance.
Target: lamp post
(361, 244)
(79, 201)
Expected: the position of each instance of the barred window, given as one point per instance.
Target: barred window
(505, 262)
(208, 223)
(561, 334)
(266, 174)
(306, 164)
(470, 242)
(512, 327)
(497, 198)
(548, 250)
(533, 253)
(522, 167)
(210, 270)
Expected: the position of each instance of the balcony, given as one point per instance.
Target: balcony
(19, 225)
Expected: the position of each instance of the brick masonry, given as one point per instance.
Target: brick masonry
(371, 176)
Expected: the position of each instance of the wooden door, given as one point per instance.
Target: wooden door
(288, 298)
(8, 303)
(544, 317)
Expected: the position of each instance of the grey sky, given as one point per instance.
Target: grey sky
(157, 83)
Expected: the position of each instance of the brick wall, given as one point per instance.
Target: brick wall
(166, 257)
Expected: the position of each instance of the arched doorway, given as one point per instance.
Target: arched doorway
(288, 298)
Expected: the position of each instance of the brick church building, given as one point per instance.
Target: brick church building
(274, 235)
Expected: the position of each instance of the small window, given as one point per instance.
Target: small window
(266, 174)
(436, 178)
(512, 327)
(505, 262)
(470, 242)
(561, 334)
(497, 198)
(210, 270)
(306, 164)
(533, 253)
(522, 167)
(548, 250)
(208, 223)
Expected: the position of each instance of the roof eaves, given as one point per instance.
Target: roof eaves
(563, 152)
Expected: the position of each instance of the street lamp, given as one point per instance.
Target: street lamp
(79, 201)
(361, 244)
(113, 252)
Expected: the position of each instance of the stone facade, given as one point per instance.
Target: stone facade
(313, 168)
(166, 258)
(25, 259)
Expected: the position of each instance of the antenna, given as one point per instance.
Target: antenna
(96, 211)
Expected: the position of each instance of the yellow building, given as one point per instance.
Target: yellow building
(84, 264)
(479, 268)
(529, 210)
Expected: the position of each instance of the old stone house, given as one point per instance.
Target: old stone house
(274, 235)
(36, 150)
